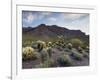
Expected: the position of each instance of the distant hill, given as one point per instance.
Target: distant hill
(46, 32)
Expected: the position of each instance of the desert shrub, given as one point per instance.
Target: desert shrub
(49, 50)
(41, 45)
(76, 42)
(29, 53)
(64, 60)
(85, 54)
(77, 55)
(69, 45)
(44, 55)
(80, 49)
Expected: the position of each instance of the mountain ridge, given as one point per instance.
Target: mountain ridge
(46, 31)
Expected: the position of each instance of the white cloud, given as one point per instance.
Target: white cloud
(52, 19)
(43, 14)
(30, 17)
(72, 16)
(46, 13)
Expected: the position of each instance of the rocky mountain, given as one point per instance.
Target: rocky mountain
(47, 31)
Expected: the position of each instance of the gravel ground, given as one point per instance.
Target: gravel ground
(56, 53)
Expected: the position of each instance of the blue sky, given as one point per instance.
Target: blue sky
(75, 21)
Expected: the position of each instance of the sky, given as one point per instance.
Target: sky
(73, 21)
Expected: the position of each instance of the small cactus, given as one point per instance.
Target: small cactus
(28, 53)
(44, 55)
(49, 44)
(41, 45)
(69, 46)
(49, 50)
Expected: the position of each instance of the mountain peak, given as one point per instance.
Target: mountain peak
(51, 31)
(41, 25)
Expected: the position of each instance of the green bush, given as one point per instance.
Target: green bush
(76, 42)
(64, 60)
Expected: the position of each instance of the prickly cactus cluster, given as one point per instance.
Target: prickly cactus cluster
(59, 53)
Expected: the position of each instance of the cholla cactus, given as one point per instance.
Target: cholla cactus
(44, 55)
(61, 42)
(61, 39)
(49, 50)
(69, 45)
(28, 53)
(27, 50)
(41, 45)
(49, 44)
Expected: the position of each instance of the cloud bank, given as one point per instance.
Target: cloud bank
(77, 21)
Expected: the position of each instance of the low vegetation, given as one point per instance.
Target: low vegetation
(58, 53)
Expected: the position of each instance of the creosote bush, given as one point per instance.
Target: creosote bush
(76, 42)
